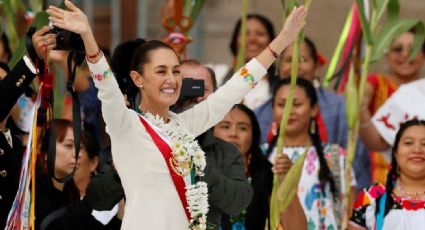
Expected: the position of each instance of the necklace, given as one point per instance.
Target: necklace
(414, 195)
(187, 156)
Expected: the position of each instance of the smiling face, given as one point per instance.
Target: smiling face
(302, 110)
(257, 38)
(399, 54)
(160, 78)
(410, 152)
(236, 128)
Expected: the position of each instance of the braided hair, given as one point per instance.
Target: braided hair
(325, 174)
(393, 174)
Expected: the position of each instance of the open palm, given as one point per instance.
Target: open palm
(73, 19)
(294, 23)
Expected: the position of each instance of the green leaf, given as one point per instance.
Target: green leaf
(196, 9)
(284, 193)
(240, 60)
(187, 6)
(40, 20)
(36, 5)
(389, 32)
(419, 40)
(381, 6)
(352, 99)
(18, 54)
(365, 23)
(335, 57)
(393, 9)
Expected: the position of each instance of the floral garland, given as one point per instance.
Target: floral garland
(186, 154)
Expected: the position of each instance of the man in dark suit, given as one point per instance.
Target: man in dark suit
(228, 189)
(12, 86)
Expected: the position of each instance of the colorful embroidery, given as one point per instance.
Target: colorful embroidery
(106, 75)
(247, 77)
(311, 158)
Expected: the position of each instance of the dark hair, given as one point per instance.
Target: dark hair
(325, 174)
(271, 71)
(194, 62)
(393, 174)
(6, 46)
(4, 67)
(262, 19)
(121, 61)
(89, 141)
(257, 156)
(142, 54)
(312, 48)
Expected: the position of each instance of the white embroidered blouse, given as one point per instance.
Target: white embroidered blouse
(152, 201)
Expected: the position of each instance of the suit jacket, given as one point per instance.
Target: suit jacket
(10, 164)
(11, 87)
(228, 188)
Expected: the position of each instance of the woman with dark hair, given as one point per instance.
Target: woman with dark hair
(259, 33)
(60, 205)
(322, 183)
(240, 127)
(400, 203)
(332, 125)
(379, 88)
(159, 162)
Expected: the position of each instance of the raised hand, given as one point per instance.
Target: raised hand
(43, 40)
(73, 19)
(294, 23)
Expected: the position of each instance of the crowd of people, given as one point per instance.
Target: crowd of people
(150, 156)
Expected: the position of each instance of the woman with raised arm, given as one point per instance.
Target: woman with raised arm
(157, 158)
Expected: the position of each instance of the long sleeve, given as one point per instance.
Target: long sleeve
(114, 110)
(209, 112)
(13, 85)
(228, 188)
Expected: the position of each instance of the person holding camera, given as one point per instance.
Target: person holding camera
(12, 86)
(159, 162)
(231, 193)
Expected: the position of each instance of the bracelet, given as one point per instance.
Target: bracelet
(99, 52)
(273, 52)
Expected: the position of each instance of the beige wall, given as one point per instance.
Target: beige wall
(324, 24)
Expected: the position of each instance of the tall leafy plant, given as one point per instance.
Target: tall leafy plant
(377, 40)
(284, 189)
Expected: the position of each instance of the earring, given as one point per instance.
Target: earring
(140, 86)
(313, 126)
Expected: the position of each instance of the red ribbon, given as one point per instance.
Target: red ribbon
(166, 151)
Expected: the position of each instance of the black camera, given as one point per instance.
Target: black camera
(192, 88)
(67, 40)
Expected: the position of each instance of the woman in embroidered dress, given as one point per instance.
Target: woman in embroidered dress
(379, 88)
(400, 204)
(322, 182)
(155, 153)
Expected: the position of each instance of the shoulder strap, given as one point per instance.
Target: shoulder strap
(380, 214)
(52, 216)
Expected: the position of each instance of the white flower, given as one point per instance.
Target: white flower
(185, 150)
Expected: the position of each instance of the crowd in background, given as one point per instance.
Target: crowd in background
(240, 149)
